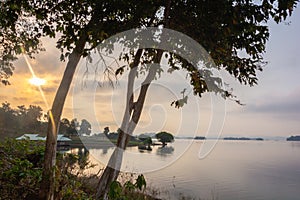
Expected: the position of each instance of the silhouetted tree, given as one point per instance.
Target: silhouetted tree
(74, 127)
(79, 27)
(7, 115)
(64, 126)
(20, 120)
(85, 127)
(224, 29)
(164, 137)
(147, 140)
(106, 131)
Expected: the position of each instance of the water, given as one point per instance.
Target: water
(246, 170)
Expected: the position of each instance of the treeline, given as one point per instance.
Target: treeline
(15, 122)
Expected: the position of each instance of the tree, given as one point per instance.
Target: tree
(106, 131)
(85, 127)
(74, 127)
(33, 117)
(21, 120)
(64, 126)
(7, 115)
(81, 26)
(164, 137)
(147, 140)
(224, 29)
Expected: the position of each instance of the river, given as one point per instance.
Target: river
(245, 170)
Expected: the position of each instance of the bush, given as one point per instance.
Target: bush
(21, 169)
(129, 190)
(21, 173)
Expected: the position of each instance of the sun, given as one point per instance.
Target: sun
(37, 81)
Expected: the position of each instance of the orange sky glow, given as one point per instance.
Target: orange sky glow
(271, 109)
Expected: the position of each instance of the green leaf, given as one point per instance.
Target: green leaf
(140, 182)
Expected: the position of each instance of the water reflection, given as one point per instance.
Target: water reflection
(234, 170)
(105, 149)
(165, 151)
(82, 152)
(295, 144)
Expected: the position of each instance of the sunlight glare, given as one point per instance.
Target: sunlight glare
(37, 81)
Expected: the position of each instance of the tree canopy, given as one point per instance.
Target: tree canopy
(234, 33)
(17, 121)
(79, 26)
(73, 22)
(85, 127)
(21, 120)
(164, 137)
(223, 28)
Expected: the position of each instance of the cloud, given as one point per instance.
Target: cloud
(38, 102)
(278, 105)
(20, 99)
(50, 89)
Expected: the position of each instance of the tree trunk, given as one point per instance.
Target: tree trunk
(112, 169)
(47, 185)
(133, 111)
(131, 118)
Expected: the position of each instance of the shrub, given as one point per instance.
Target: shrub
(21, 168)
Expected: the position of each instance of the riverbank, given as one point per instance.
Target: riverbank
(97, 142)
(21, 170)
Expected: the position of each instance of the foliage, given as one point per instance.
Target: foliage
(129, 190)
(113, 136)
(31, 119)
(21, 120)
(80, 25)
(164, 137)
(23, 24)
(70, 178)
(65, 127)
(20, 164)
(234, 33)
(21, 171)
(85, 127)
(225, 29)
(106, 131)
(147, 141)
(145, 138)
(74, 127)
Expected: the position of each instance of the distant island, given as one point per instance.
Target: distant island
(242, 138)
(293, 138)
(199, 138)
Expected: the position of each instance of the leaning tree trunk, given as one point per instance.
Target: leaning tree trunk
(47, 185)
(131, 118)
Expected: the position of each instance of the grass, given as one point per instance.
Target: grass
(21, 170)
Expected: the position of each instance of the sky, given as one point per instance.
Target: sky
(272, 108)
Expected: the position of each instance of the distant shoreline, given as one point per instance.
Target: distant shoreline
(277, 138)
(293, 138)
